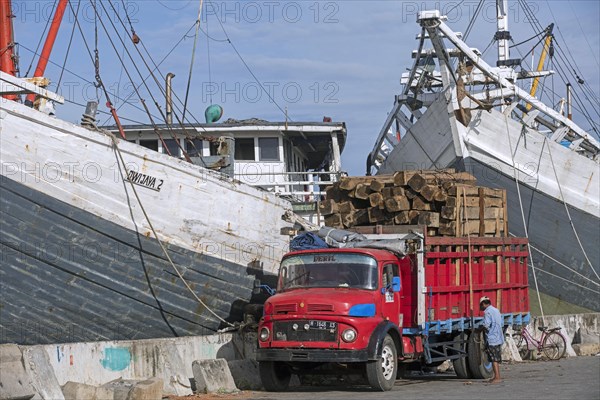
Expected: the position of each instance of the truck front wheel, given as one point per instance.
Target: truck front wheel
(381, 373)
(275, 376)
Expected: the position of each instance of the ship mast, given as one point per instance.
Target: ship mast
(547, 49)
(502, 35)
(7, 61)
(7, 58)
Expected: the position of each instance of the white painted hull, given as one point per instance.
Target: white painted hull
(486, 148)
(205, 219)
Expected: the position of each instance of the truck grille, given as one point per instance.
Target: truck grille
(319, 307)
(284, 331)
(285, 308)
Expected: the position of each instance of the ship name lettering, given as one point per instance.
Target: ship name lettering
(144, 180)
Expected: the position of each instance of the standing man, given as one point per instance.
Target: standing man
(492, 323)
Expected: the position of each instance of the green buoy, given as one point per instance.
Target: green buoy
(213, 113)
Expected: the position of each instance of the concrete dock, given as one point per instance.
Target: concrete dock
(569, 378)
(176, 366)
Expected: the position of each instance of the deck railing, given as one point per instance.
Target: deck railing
(299, 186)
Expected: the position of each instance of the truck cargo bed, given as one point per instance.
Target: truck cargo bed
(453, 273)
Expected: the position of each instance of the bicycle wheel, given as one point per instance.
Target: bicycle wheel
(554, 346)
(522, 345)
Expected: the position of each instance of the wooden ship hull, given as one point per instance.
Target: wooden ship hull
(80, 260)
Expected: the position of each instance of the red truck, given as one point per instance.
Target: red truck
(404, 298)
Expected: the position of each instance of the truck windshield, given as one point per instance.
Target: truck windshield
(328, 270)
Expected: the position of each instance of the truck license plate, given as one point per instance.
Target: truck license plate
(326, 325)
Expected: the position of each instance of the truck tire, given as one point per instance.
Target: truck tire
(479, 364)
(381, 373)
(461, 366)
(275, 376)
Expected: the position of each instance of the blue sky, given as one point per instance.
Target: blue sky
(341, 59)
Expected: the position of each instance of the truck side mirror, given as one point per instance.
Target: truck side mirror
(396, 284)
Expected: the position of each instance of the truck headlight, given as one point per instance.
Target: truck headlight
(264, 334)
(349, 335)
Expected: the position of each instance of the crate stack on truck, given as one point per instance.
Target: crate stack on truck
(395, 297)
(449, 203)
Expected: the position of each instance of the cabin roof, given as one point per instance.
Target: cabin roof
(312, 138)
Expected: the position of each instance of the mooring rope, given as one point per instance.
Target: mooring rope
(186, 284)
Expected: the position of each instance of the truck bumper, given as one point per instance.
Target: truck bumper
(312, 355)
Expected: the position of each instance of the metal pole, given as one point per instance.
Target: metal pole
(502, 35)
(169, 100)
(569, 111)
(7, 61)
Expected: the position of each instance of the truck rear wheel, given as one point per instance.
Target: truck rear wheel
(275, 376)
(461, 366)
(381, 373)
(478, 360)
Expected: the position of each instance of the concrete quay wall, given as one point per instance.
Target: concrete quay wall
(42, 370)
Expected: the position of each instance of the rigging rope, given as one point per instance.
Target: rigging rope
(209, 62)
(284, 112)
(580, 27)
(124, 165)
(187, 90)
(41, 39)
(530, 39)
(464, 192)
(131, 80)
(515, 174)
(472, 21)
(567, 210)
(62, 71)
(536, 25)
(162, 246)
(156, 130)
(96, 54)
(114, 95)
(208, 36)
(562, 264)
(169, 127)
(155, 66)
(134, 38)
(564, 279)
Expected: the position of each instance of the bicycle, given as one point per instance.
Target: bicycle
(552, 343)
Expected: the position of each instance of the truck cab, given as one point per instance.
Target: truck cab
(362, 307)
(329, 304)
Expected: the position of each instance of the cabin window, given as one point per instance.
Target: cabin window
(193, 147)
(214, 148)
(268, 149)
(244, 149)
(149, 144)
(173, 147)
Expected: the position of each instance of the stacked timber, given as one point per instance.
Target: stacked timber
(449, 203)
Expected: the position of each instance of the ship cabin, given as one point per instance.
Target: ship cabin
(296, 160)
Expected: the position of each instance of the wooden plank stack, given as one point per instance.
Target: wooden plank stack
(448, 202)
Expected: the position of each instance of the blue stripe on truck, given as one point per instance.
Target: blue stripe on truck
(362, 310)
